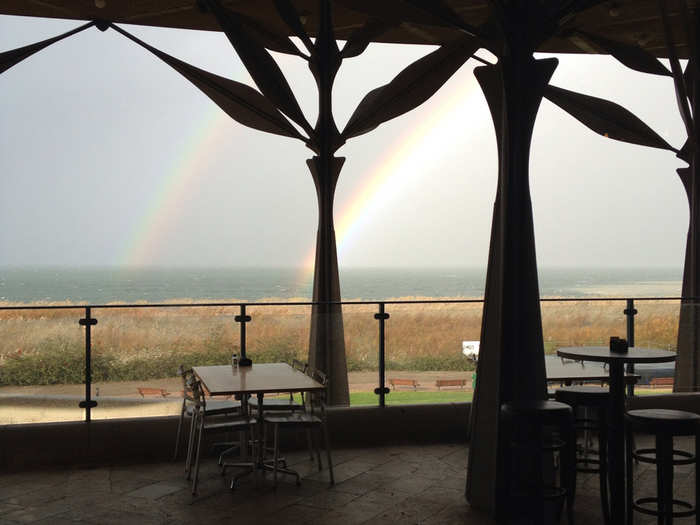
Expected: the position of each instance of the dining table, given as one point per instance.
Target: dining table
(616, 411)
(567, 372)
(256, 379)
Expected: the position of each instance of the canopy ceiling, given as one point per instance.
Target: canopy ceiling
(632, 21)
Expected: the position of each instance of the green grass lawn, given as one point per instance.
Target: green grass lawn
(411, 397)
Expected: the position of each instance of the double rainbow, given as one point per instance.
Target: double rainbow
(406, 158)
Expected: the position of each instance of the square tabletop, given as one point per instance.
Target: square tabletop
(224, 380)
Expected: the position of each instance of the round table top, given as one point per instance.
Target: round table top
(603, 353)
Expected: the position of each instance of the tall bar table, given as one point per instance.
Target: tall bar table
(616, 411)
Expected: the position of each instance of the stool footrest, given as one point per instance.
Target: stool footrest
(548, 493)
(648, 455)
(639, 503)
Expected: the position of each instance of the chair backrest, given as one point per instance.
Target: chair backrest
(317, 399)
(198, 396)
(188, 379)
(299, 365)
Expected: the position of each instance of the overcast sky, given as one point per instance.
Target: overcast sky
(109, 157)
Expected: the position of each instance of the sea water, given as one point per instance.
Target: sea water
(101, 285)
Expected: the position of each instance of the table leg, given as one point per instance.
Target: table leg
(616, 443)
(261, 423)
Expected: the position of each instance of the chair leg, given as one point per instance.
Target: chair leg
(570, 469)
(196, 461)
(190, 444)
(310, 443)
(603, 467)
(629, 475)
(318, 453)
(275, 453)
(264, 445)
(328, 452)
(179, 430)
(666, 467)
(697, 485)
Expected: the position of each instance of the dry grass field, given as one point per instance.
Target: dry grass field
(47, 346)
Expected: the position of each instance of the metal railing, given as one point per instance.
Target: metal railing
(89, 321)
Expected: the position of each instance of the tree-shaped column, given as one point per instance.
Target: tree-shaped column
(274, 109)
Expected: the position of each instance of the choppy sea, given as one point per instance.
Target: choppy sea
(100, 285)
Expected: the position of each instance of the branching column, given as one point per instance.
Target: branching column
(327, 341)
(511, 360)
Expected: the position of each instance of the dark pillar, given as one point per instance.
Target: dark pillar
(687, 377)
(511, 360)
(327, 341)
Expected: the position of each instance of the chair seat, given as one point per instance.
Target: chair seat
(583, 395)
(216, 406)
(655, 420)
(540, 411)
(275, 404)
(231, 424)
(295, 418)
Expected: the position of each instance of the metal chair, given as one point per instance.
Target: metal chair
(590, 406)
(664, 425)
(313, 417)
(282, 403)
(214, 407)
(529, 428)
(203, 422)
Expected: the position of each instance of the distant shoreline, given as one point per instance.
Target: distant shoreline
(104, 285)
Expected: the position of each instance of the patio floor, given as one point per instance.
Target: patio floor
(393, 484)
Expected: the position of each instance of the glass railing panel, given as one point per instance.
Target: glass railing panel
(581, 323)
(362, 352)
(656, 324)
(41, 366)
(277, 333)
(136, 353)
(424, 343)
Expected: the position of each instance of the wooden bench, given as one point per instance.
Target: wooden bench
(440, 383)
(403, 382)
(145, 391)
(661, 382)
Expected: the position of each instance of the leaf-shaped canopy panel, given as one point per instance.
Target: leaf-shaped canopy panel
(269, 39)
(262, 67)
(15, 56)
(410, 88)
(242, 103)
(633, 57)
(606, 118)
(361, 38)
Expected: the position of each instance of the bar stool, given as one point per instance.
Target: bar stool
(664, 425)
(589, 399)
(533, 429)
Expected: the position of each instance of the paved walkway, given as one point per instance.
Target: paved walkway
(374, 486)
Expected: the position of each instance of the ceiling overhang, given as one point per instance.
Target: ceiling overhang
(631, 21)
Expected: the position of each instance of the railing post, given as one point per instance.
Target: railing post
(243, 319)
(88, 404)
(630, 312)
(382, 390)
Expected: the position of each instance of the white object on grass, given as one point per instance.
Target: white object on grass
(471, 349)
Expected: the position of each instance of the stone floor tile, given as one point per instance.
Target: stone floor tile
(154, 490)
(392, 484)
(32, 514)
(329, 499)
(8, 507)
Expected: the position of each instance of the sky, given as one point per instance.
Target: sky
(109, 157)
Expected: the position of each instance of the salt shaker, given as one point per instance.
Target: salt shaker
(234, 361)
